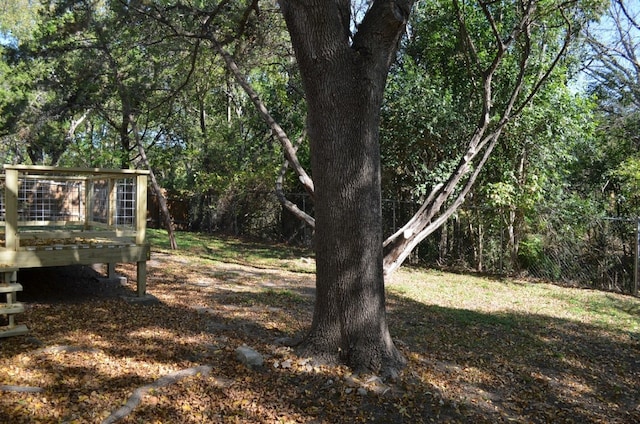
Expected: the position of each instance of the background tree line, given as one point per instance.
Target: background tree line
(117, 84)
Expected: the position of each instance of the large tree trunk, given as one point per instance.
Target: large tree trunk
(344, 85)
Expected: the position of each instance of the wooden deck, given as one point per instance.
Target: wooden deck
(43, 223)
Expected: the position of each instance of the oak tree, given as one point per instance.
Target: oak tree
(509, 50)
(344, 78)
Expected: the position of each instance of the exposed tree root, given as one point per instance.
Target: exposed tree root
(136, 398)
(21, 389)
(67, 349)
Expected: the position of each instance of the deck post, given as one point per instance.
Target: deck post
(88, 202)
(11, 209)
(112, 208)
(141, 271)
(141, 228)
(141, 208)
(111, 270)
(112, 214)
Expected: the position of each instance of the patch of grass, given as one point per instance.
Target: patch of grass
(610, 311)
(271, 298)
(234, 250)
(187, 241)
(282, 297)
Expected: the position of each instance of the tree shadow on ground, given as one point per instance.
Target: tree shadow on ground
(509, 367)
(464, 366)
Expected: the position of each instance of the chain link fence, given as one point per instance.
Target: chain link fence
(597, 253)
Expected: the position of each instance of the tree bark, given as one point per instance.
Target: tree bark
(162, 201)
(344, 82)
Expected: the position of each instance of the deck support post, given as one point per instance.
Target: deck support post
(111, 270)
(142, 278)
(9, 286)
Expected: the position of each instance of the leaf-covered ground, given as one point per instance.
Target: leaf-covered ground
(479, 350)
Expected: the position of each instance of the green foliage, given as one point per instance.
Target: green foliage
(531, 251)
(26, 129)
(17, 19)
(434, 103)
(628, 177)
(417, 152)
(108, 61)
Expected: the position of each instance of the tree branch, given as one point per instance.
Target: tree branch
(292, 207)
(289, 150)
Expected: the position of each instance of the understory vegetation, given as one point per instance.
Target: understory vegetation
(479, 349)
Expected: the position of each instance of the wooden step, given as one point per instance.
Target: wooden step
(8, 288)
(17, 330)
(14, 308)
(7, 275)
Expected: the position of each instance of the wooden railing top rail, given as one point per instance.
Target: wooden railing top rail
(92, 171)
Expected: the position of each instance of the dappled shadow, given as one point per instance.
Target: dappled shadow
(272, 251)
(464, 366)
(509, 367)
(87, 344)
(629, 305)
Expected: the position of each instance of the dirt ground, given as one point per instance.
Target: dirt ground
(96, 354)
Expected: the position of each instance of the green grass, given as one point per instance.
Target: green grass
(235, 250)
(473, 296)
(496, 297)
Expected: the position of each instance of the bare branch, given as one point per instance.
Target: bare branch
(281, 135)
(292, 207)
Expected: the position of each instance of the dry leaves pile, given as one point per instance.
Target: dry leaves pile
(94, 356)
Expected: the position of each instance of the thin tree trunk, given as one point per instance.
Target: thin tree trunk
(162, 201)
(480, 258)
(164, 208)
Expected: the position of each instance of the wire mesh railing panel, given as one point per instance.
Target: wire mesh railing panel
(99, 201)
(45, 200)
(125, 213)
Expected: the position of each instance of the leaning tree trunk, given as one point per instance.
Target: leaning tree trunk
(344, 85)
(162, 201)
